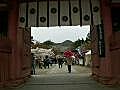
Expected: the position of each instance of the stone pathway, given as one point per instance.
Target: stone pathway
(58, 79)
(76, 69)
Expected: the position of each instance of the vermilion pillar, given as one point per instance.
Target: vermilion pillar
(105, 64)
(12, 33)
(106, 16)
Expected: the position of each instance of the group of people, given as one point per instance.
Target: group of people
(47, 62)
(60, 61)
(68, 62)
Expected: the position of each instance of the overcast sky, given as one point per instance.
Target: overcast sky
(59, 34)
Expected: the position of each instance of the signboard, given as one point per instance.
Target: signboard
(101, 42)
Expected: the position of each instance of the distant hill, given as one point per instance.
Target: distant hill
(64, 45)
(58, 46)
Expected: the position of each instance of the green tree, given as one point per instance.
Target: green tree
(56, 51)
(88, 42)
(88, 38)
(48, 42)
(77, 43)
(82, 41)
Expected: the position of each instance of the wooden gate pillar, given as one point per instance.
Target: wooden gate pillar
(107, 22)
(104, 73)
(12, 33)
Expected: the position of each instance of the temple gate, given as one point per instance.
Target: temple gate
(18, 16)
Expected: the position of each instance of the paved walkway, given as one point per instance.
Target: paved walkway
(58, 79)
(54, 69)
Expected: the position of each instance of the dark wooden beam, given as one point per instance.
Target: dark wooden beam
(40, 0)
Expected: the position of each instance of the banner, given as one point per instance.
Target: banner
(59, 13)
(75, 12)
(43, 13)
(22, 15)
(64, 13)
(32, 14)
(101, 41)
(96, 12)
(53, 13)
(86, 13)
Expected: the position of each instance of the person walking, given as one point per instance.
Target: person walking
(69, 61)
(46, 62)
(33, 63)
(60, 62)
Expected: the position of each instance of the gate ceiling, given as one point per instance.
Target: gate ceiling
(47, 13)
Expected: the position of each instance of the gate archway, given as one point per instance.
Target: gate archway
(22, 14)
